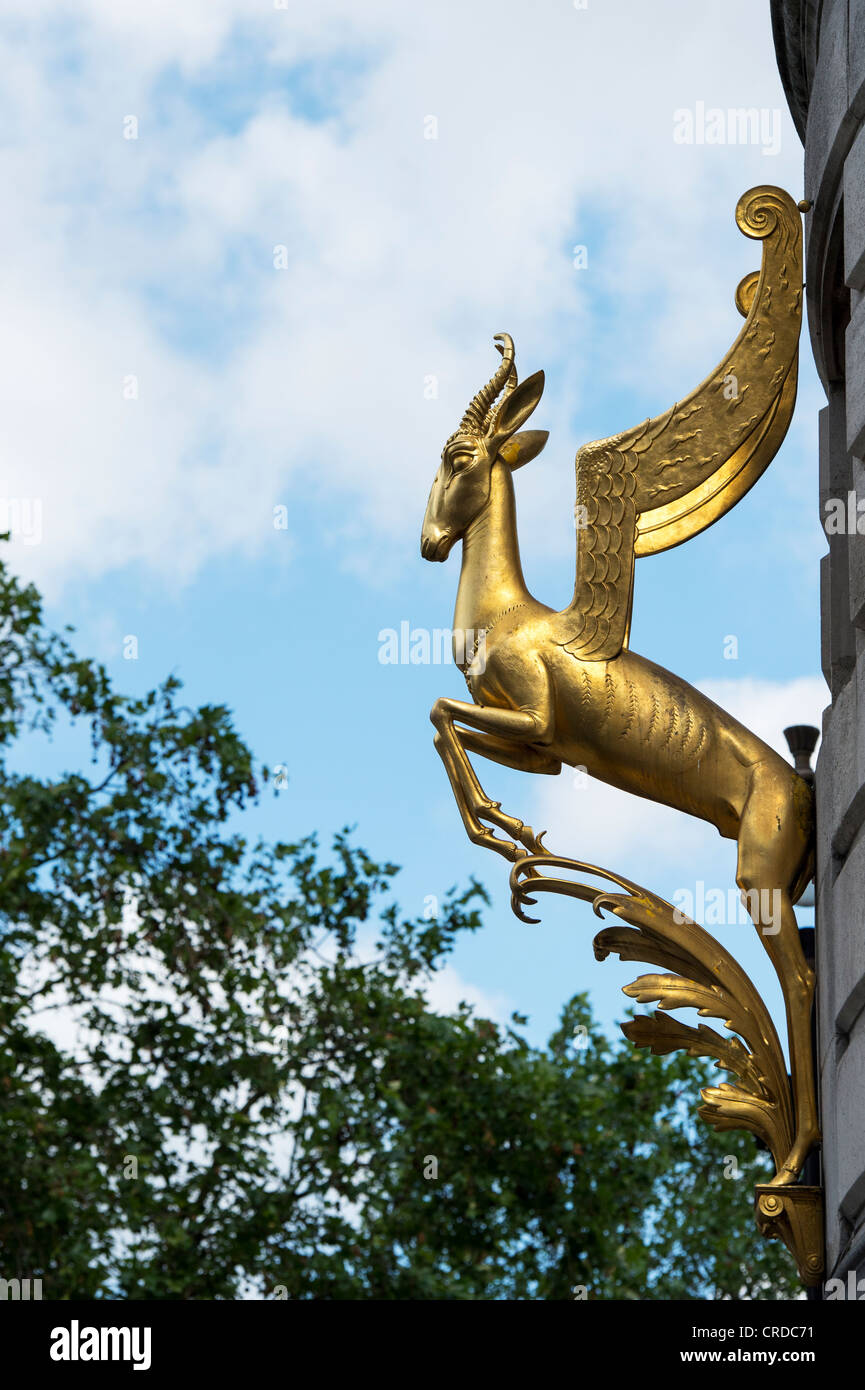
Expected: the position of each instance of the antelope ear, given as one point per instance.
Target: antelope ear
(522, 448)
(519, 405)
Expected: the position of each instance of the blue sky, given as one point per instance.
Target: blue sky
(262, 127)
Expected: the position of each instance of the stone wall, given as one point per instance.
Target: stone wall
(821, 57)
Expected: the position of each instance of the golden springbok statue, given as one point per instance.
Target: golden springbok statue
(563, 687)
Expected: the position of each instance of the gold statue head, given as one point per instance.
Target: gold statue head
(486, 435)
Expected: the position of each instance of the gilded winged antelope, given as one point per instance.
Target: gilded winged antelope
(562, 686)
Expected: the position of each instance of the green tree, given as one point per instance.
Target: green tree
(220, 1075)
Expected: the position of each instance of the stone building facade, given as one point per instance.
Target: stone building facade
(820, 45)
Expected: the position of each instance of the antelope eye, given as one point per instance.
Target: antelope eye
(460, 460)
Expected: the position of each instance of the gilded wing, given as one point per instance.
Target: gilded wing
(658, 484)
(606, 516)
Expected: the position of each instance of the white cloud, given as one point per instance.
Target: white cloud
(447, 990)
(770, 707)
(154, 256)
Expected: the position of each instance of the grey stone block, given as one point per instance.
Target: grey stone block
(856, 57)
(835, 477)
(828, 108)
(842, 995)
(854, 214)
(838, 646)
(849, 1120)
(856, 553)
(835, 1229)
(856, 381)
(838, 771)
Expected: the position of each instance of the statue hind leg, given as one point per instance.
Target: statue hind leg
(775, 853)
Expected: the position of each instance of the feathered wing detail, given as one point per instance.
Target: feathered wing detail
(658, 484)
(606, 515)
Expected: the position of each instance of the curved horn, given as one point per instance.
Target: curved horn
(495, 409)
(474, 419)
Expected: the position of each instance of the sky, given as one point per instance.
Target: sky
(252, 260)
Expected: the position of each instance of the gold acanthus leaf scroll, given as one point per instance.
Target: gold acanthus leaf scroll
(707, 979)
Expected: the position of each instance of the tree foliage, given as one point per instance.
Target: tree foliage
(221, 1076)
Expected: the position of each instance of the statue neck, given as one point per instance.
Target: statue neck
(491, 578)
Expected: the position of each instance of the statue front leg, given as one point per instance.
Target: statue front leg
(517, 728)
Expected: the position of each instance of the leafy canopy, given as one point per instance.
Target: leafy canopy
(221, 1076)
